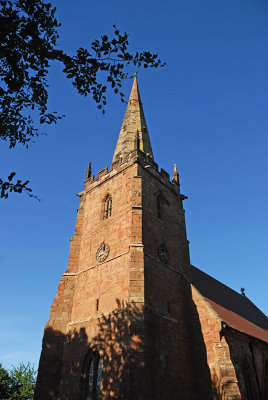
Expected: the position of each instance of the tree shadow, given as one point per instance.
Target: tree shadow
(119, 341)
(134, 363)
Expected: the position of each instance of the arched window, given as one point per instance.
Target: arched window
(108, 207)
(91, 376)
(160, 201)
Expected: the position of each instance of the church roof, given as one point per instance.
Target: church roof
(235, 309)
(134, 121)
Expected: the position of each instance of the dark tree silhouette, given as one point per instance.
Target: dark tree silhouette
(18, 383)
(28, 37)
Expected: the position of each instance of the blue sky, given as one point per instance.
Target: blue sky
(206, 111)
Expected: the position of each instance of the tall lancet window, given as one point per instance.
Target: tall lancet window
(108, 207)
(160, 201)
(91, 377)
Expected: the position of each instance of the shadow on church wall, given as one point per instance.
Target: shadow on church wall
(119, 341)
(249, 357)
(204, 384)
(237, 360)
(130, 342)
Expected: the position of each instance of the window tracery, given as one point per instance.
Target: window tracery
(91, 377)
(108, 203)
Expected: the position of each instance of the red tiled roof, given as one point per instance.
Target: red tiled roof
(235, 310)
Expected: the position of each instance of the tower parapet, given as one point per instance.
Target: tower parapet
(135, 156)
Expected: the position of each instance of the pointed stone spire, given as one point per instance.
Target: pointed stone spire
(134, 125)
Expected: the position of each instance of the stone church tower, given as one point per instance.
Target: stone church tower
(132, 319)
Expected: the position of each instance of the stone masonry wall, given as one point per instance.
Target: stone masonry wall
(157, 337)
(222, 371)
(100, 304)
(170, 310)
(111, 282)
(227, 350)
(244, 348)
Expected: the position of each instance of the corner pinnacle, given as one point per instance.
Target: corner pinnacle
(175, 174)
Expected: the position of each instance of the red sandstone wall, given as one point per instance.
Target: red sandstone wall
(223, 374)
(157, 337)
(115, 328)
(227, 350)
(167, 293)
(171, 227)
(255, 352)
(113, 281)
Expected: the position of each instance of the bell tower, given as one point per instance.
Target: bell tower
(119, 324)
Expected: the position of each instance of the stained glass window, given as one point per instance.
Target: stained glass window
(91, 385)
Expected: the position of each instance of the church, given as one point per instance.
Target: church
(132, 318)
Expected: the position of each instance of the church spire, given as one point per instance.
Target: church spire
(133, 123)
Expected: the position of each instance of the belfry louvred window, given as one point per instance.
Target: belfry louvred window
(108, 207)
(91, 377)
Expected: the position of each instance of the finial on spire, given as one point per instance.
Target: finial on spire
(135, 74)
(175, 174)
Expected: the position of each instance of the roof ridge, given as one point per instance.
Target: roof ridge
(234, 309)
(250, 301)
(233, 290)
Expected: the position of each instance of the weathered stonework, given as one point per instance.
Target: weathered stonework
(134, 125)
(158, 337)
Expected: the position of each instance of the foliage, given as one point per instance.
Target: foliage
(17, 187)
(23, 378)
(5, 384)
(18, 384)
(110, 56)
(28, 45)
